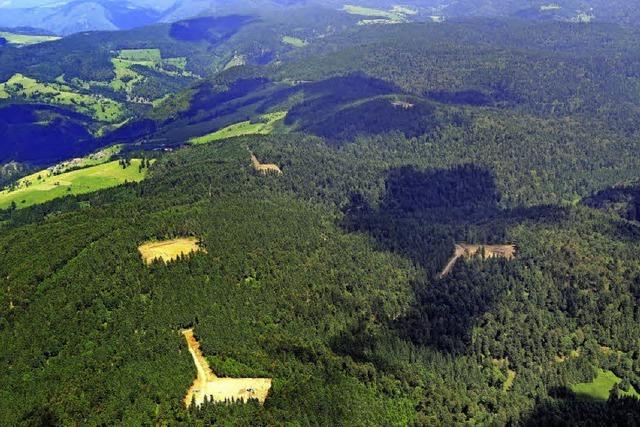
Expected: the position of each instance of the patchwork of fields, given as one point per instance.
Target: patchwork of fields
(99, 107)
(135, 72)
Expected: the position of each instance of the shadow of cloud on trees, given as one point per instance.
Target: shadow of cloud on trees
(341, 108)
(421, 216)
(569, 411)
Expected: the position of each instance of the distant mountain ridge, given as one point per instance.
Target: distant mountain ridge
(68, 17)
(80, 15)
(71, 16)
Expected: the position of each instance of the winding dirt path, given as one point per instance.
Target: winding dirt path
(208, 386)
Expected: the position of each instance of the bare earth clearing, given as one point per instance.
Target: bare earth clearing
(265, 168)
(207, 385)
(507, 252)
(168, 250)
(403, 104)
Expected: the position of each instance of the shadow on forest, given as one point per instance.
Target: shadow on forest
(211, 29)
(421, 216)
(338, 109)
(571, 412)
(42, 134)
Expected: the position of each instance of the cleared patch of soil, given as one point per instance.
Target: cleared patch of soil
(264, 168)
(168, 250)
(217, 389)
(465, 250)
(403, 104)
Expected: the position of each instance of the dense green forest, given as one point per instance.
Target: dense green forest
(398, 142)
(323, 279)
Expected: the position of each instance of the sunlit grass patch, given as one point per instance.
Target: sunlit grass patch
(294, 41)
(263, 126)
(601, 386)
(25, 39)
(99, 107)
(44, 185)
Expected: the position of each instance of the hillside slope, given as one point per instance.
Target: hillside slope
(311, 200)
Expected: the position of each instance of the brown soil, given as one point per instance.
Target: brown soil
(168, 250)
(467, 251)
(264, 168)
(208, 385)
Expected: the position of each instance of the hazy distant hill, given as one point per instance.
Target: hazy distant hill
(70, 16)
(74, 16)
(81, 15)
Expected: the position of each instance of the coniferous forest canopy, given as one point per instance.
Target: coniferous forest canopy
(327, 161)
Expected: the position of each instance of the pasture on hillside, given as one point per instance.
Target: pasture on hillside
(140, 54)
(263, 126)
(395, 15)
(25, 39)
(99, 107)
(44, 186)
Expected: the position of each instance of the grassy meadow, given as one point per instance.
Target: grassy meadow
(44, 186)
(100, 108)
(600, 387)
(140, 55)
(378, 16)
(127, 78)
(25, 39)
(262, 127)
(294, 41)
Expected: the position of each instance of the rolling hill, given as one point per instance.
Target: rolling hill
(407, 224)
(117, 77)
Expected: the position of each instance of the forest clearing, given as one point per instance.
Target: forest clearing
(601, 386)
(403, 104)
(169, 250)
(265, 168)
(208, 385)
(507, 252)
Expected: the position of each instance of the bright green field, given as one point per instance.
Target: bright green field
(101, 108)
(600, 387)
(294, 41)
(32, 191)
(126, 78)
(396, 15)
(367, 11)
(263, 127)
(23, 39)
(140, 55)
(94, 159)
